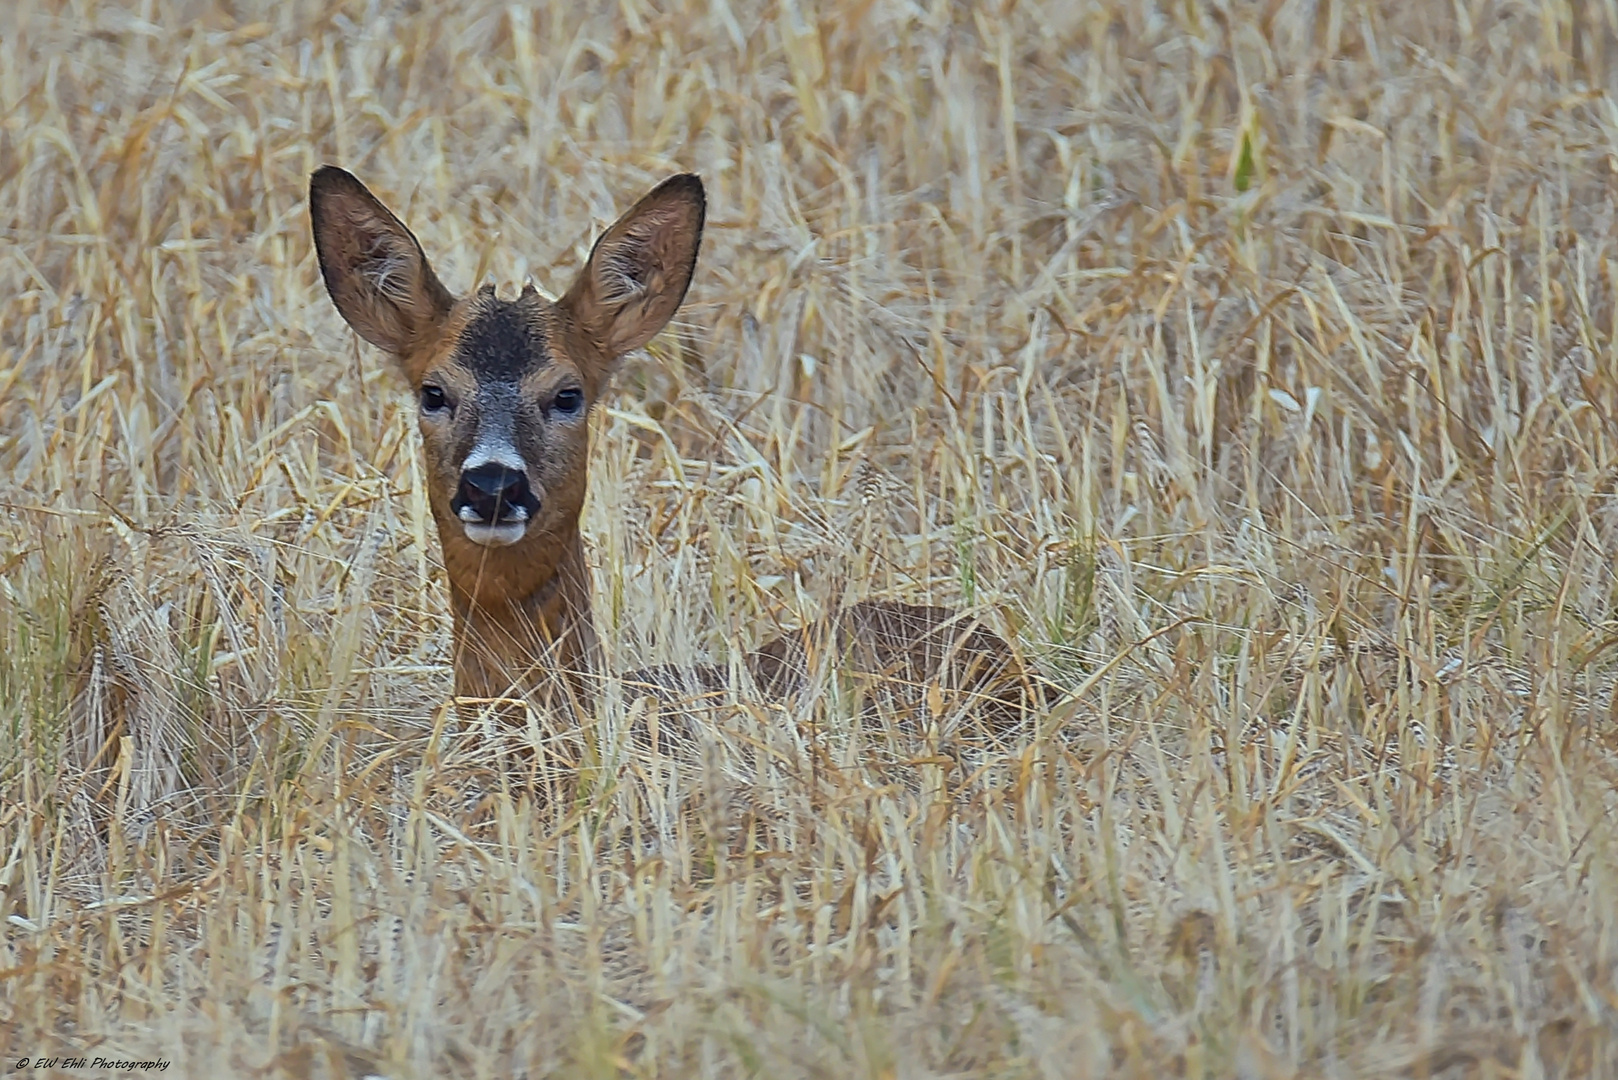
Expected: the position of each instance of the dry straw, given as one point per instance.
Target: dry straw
(1251, 365)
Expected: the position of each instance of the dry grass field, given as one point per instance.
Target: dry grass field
(1252, 366)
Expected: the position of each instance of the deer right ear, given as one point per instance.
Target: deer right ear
(375, 271)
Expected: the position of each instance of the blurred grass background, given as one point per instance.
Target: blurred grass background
(1252, 364)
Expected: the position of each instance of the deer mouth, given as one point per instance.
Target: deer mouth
(503, 532)
(496, 535)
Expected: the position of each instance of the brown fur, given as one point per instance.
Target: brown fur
(522, 612)
(917, 662)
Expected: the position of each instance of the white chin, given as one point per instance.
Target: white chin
(503, 535)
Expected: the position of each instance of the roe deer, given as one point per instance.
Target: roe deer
(505, 389)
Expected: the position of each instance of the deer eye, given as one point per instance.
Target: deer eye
(568, 401)
(433, 398)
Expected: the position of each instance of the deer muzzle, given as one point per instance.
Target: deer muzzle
(495, 504)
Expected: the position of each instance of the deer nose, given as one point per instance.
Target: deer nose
(494, 495)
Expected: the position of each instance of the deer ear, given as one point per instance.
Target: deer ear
(641, 267)
(375, 271)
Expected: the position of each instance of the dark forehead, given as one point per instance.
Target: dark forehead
(504, 339)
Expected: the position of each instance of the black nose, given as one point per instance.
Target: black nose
(493, 495)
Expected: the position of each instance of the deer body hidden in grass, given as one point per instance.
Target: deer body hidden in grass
(505, 387)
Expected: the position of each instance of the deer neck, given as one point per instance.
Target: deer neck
(522, 618)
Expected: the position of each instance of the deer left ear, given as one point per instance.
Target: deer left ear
(640, 269)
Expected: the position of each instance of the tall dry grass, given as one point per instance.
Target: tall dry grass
(1253, 365)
